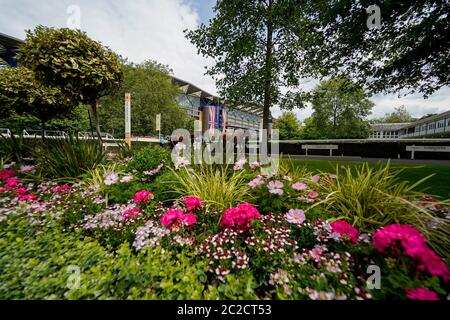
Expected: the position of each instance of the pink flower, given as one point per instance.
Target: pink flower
(344, 229)
(193, 203)
(295, 216)
(12, 182)
(188, 219)
(61, 188)
(175, 216)
(413, 244)
(421, 294)
(131, 213)
(299, 186)
(254, 165)
(5, 174)
(315, 178)
(142, 197)
(276, 187)
(170, 217)
(259, 180)
(240, 216)
(27, 197)
(21, 191)
(313, 194)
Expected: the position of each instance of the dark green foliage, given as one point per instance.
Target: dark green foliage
(164, 185)
(68, 158)
(149, 158)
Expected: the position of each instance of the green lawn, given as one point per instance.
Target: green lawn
(438, 184)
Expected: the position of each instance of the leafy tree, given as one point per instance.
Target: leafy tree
(257, 49)
(399, 115)
(21, 93)
(340, 108)
(152, 92)
(288, 125)
(82, 68)
(409, 50)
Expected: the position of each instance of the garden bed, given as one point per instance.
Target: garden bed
(139, 228)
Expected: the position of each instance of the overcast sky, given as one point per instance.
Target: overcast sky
(153, 29)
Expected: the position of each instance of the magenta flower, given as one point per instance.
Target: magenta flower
(5, 174)
(27, 197)
(176, 216)
(276, 187)
(188, 219)
(193, 203)
(131, 213)
(421, 294)
(313, 194)
(299, 186)
(413, 243)
(295, 216)
(240, 216)
(344, 229)
(142, 197)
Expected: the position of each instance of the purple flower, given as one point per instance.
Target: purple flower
(276, 187)
(259, 180)
(295, 216)
(299, 186)
(239, 165)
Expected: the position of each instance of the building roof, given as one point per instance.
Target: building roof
(9, 42)
(435, 117)
(388, 126)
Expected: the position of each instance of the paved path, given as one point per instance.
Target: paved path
(372, 160)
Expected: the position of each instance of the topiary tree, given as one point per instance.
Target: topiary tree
(82, 68)
(21, 93)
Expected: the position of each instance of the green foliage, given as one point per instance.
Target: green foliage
(152, 92)
(13, 148)
(44, 266)
(21, 92)
(340, 109)
(164, 186)
(288, 125)
(218, 187)
(69, 158)
(399, 115)
(260, 46)
(411, 56)
(83, 69)
(149, 158)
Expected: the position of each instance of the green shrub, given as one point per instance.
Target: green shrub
(164, 187)
(149, 158)
(68, 158)
(13, 148)
(218, 187)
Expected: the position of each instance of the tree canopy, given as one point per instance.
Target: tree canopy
(152, 92)
(21, 93)
(83, 69)
(399, 115)
(340, 110)
(409, 50)
(288, 125)
(257, 50)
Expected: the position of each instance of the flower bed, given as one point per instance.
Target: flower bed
(287, 241)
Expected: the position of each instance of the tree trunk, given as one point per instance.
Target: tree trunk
(268, 68)
(97, 123)
(90, 123)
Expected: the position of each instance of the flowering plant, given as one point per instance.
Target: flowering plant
(240, 216)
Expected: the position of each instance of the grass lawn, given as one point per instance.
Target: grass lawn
(438, 184)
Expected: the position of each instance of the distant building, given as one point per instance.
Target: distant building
(436, 125)
(212, 111)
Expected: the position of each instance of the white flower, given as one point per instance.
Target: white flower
(111, 178)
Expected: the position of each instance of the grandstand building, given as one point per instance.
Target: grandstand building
(211, 110)
(433, 126)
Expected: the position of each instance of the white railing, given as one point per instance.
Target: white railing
(5, 132)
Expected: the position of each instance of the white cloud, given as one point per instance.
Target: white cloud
(139, 30)
(153, 29)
